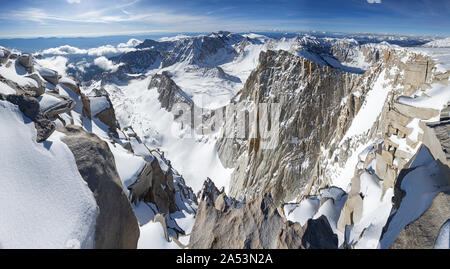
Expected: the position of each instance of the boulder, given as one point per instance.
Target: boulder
(26, 60)
(401, 128)
(389, 179)
(71, 85)
(49, 75)
(402, 154)
(28, 105)
(66, 104)
(351, 212)
(116, 225)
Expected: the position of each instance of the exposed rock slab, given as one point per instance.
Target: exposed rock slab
(116, 225)
(416, 112)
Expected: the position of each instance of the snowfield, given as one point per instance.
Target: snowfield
(194, 157)
(440, 43)
(52, 206)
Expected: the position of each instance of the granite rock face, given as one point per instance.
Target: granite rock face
(304, 100)
(257, 224)
(436, 138)
(116, 225)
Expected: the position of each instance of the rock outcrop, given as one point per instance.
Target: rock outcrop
(26, 60)
(4, 55)
(100, 106)
(116, 225)
(30, 108)
(65, 105)
(37, 90)
(215, 197)
(169, 93)
(258, 224)
(49, 75)
(222, 222)
(155, 186)
(436, 138)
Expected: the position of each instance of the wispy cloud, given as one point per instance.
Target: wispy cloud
(108, 17)
(112, 14)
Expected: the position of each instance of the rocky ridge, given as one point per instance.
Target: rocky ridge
(89, 128)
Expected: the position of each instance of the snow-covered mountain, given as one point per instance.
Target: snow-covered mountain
(308, 141)
(440, 43)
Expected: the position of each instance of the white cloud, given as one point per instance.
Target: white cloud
(130, 44)
(374, 1)
(63, 50)
(108, 50)
(103, 50)
(73, 1)
(106, 64)
(111, 14)
(173, 38)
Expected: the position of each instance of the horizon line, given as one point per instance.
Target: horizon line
(8, 37)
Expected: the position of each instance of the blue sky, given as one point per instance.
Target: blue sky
(33, 18)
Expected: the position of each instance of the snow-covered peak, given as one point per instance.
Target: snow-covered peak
(440, 43)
